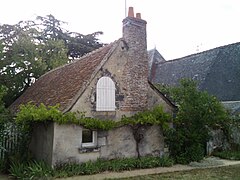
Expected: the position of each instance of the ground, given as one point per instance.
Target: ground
(207, 163)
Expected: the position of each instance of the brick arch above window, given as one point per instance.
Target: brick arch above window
(105, 94)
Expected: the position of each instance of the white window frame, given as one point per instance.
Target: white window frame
(105, 100)
(94, 140)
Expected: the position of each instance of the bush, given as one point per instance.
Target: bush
(232, 155)
(197, 113)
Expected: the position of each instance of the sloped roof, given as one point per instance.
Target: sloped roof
(154, 58)
(233, 106)
(64, 85)
(216, 71)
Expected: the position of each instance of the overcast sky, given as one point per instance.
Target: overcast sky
(175, 27)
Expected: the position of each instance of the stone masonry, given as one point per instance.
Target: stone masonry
(135, 74)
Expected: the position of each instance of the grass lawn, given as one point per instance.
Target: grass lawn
(229, 172)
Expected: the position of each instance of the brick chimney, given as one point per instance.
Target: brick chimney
(135, 75)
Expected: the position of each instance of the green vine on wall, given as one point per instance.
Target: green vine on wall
(31, 113)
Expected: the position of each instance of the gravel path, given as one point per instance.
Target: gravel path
(207, 163)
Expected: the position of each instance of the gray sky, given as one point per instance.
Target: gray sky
(176, 27)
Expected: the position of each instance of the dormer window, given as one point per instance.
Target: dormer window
(105, 94)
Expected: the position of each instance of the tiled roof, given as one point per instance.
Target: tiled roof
(216, 71)
(63, 85)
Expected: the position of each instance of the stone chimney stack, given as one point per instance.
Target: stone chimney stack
(135, 75)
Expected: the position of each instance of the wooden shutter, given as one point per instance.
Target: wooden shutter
(105, 94)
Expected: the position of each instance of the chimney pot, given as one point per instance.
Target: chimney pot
(138, 15)
(130, 12)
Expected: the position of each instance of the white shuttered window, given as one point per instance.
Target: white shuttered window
(105, 94)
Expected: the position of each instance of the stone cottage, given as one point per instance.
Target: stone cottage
(216, 71)
(107, 83)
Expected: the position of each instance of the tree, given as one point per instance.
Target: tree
(77, 44)
(198, 111)
(23, 60)
(31, 48)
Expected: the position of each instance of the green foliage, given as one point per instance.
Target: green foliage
(13, 149)
(67, 170)
(197, 112)
(232, 155)
(31, 170)
(40, 170)
(30, 113)
(53, 53)
(2, 165)
(149, 117)
(29, 49)
(17, 170)
(91, 123)
(4, 114)
(199, 106)
(23, 61)
(156, 116)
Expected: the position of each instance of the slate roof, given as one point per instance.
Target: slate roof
(65, 84)
(216, 71)
(154, 58)
(233, 106)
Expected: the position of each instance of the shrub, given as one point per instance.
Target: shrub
(197, 112)
(30, 170)
(232, 155)
(73, 169)
(17, 170)
(40, 170)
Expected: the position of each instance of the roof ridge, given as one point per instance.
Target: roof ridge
(202, 52)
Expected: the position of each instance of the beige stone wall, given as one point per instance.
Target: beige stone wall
(41, 145)
(152, 142)
(67, 145)
(120, 143)
(116, 143)
(155, 99)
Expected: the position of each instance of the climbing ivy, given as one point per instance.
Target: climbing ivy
(31, 113)
(156, 116)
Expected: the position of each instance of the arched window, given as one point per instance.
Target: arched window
(105, 94)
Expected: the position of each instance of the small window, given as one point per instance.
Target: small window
(105, 94)
(89, 138)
